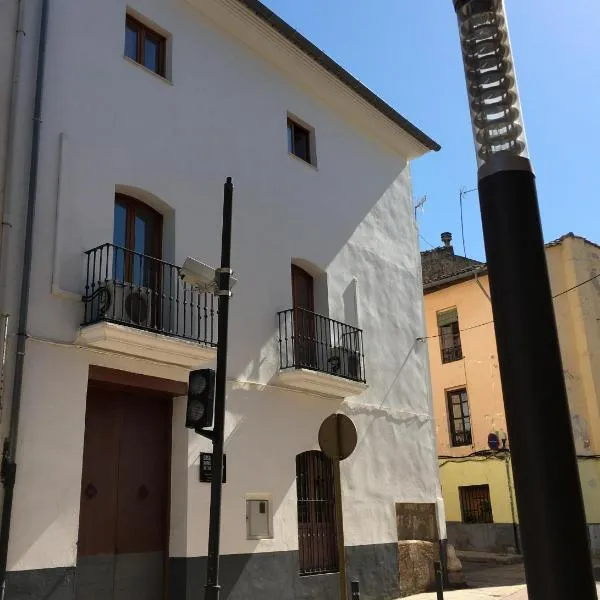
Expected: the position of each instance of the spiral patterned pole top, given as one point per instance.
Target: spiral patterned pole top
(491, 81)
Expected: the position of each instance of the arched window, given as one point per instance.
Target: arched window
(317, 543)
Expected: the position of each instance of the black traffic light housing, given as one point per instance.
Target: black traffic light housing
(201, 399)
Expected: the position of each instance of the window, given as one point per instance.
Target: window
(138, 234)
(299, 141)
(145, 46)
(475, 504)
(449, 333)
(317, 543)
(460, 417)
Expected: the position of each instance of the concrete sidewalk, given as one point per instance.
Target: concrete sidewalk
(489, 581)
(518, 592)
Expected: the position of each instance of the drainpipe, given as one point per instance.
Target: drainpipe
(476, 274)
(9, 466)
(6, 192)
(512, 504)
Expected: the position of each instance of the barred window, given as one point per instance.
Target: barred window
(475, 504)
(317, 543)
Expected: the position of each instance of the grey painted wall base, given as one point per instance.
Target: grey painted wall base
(268, 576)
(274, 576)
(41, 584)
(500, 537)
(486, 537)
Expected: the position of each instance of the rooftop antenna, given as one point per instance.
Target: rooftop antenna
(419, 205)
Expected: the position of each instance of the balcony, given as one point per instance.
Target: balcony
(320, 355)
(137, 305)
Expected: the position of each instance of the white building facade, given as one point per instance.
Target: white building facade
(145, 110)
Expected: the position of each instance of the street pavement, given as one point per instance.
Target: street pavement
(490, 582)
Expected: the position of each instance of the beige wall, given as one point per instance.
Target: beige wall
(477, 371)
(570, 263)
(578, 320)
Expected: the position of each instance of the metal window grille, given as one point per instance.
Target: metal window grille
(460, 417)
(475, 504)
(317, 542)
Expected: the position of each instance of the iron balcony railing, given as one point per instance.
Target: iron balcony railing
(134, 289)
(311, 341)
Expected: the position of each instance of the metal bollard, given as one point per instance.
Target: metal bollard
(439, 580)
(355, 590)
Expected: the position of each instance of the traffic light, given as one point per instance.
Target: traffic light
(201, 399)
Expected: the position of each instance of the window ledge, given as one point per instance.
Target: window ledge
(141, 66)
(292, 155)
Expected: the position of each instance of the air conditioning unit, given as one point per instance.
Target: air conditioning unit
(124, 303)
(344, 362)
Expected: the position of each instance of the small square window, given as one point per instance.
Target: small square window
(146, 46)
(299, 141)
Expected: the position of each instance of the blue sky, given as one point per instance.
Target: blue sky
(408, 53)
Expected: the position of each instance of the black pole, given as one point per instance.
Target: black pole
(439, 580)
(548, 490)
(213, 589)
(549, 499)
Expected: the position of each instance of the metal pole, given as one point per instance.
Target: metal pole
(355, 589)
(439, 580)
(549, 498)
(213, 588)
(339, 520)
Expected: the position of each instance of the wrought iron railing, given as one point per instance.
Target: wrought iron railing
(134, 289)
(311, 341)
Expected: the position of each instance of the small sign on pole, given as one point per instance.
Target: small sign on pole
(206, 467)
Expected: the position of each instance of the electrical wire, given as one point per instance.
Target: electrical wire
(427, 242)
(422, 339)
(576, 286)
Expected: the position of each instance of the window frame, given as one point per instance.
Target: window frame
(452, 353)
(467, 435)
(469, 495)
(292, 125)
(131, 205)
(144, 31)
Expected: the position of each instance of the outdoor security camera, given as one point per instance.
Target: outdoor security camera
(201, 276)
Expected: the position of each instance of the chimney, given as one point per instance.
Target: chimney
(447, 239)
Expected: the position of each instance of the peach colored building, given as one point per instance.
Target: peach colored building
(472, 437)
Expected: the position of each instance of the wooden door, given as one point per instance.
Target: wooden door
(304, 319)
(123, 525)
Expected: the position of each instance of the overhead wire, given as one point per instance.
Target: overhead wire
(490, 322)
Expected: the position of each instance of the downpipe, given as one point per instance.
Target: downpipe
(9, 465)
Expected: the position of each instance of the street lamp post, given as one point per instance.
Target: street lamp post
(213, 589)
(549, 499)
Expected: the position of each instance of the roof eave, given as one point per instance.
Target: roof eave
(293, 36)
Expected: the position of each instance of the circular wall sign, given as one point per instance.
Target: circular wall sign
(337, 437)
(493, 441)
